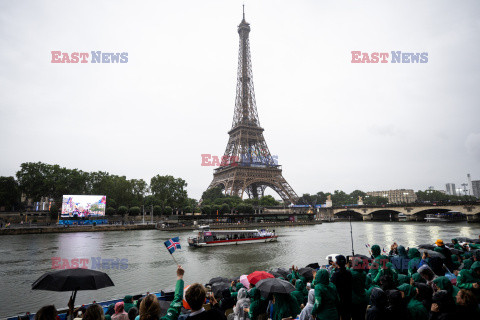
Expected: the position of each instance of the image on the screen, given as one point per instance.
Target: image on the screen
(83, 206)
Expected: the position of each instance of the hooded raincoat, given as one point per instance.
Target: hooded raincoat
(378, 302)
(415, 308)
(326, 297)
(467, 278)
(306, 313)
(379, 261)
(285, 306)
(242, 302)
(299, 293)
(443, 283)
(414, 256)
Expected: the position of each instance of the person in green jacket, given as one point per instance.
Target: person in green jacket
(150, 307)
(128, 303)
(443, 283)
(379, 261)
(414, 256)
(284, 306)
(257, 304)
(415, 308)
(326, 297)
(299, 293)
(457, 245)
(470, 279)
(359, 295)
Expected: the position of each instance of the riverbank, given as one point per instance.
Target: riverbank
(70, 229)
(128, 227)
(255, 225)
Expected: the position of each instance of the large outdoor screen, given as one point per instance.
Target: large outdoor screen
(83, 206)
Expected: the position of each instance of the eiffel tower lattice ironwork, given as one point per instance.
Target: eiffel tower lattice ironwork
(247, 164)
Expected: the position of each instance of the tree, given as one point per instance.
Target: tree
(187, 209)
(110, 211)
(9, 193)
(355, 194)
(171, 191)
(209, 196)
(224, 208)
(206, 209)
(54, 211)
(134, 211)
(122, 210)
(168, 210)
(268, 201)
(157, 210)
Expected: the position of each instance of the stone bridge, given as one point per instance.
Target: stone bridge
(413, 212)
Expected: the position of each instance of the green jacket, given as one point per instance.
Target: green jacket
(388, 270)
(285, 306)
(414, 256)
(359, 295)
(326, 297)
(257, 304)
(467, 263)
(379, 261)
(415, 308)
(128, 303)
(467, 278)
(443, 283)
(176, 306)
(299, 293)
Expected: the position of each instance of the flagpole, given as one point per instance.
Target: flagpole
(174, 259)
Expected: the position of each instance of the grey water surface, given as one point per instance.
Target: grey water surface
(24, 258)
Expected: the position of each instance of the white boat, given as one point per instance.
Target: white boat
(209, 238)
(452, 216)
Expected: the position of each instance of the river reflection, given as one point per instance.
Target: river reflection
(24, 258)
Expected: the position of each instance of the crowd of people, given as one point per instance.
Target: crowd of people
(412, 284)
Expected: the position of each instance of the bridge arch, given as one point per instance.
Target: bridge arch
(384, 215)
(347, 214)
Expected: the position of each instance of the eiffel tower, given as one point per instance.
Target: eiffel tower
(247, 164)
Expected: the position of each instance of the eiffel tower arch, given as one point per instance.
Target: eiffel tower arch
(247, 165)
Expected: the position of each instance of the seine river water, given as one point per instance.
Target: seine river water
(24, 258)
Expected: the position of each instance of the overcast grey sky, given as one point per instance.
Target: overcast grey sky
(332, 124)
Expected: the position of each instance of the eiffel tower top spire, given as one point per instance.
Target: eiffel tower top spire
(245, 105)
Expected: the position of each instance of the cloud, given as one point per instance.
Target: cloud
(472, 143)
(383, 130)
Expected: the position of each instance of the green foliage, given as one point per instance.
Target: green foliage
(134, 211)
(216, 209)
(122, 210)
(168, 210)
(224, 208)
(268, 201)
(157, 210)
(206, 209)
(171, 191)
(187, 209)
(435, 195)
(110, 211)
(9, 193)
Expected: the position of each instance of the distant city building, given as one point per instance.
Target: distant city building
(476, 188)
(451, 189)
(470, 185)
(460, 192)
(396, 196)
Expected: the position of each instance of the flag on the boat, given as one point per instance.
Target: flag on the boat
(173, 244)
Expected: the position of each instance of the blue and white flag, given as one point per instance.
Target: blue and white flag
(173, 244)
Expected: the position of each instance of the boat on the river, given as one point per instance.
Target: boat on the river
(452, 216)
(209, 238)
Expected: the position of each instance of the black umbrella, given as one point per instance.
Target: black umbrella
(73, 280)
(307, 273)
(218, 287)
(464, 239)
(314, 265)
(281, 271)
(455, 251)
(426, 246)
(218, 279)
(432, 253)
(274, 285)
(276, 274)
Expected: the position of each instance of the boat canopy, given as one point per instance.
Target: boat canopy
(229, 231)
